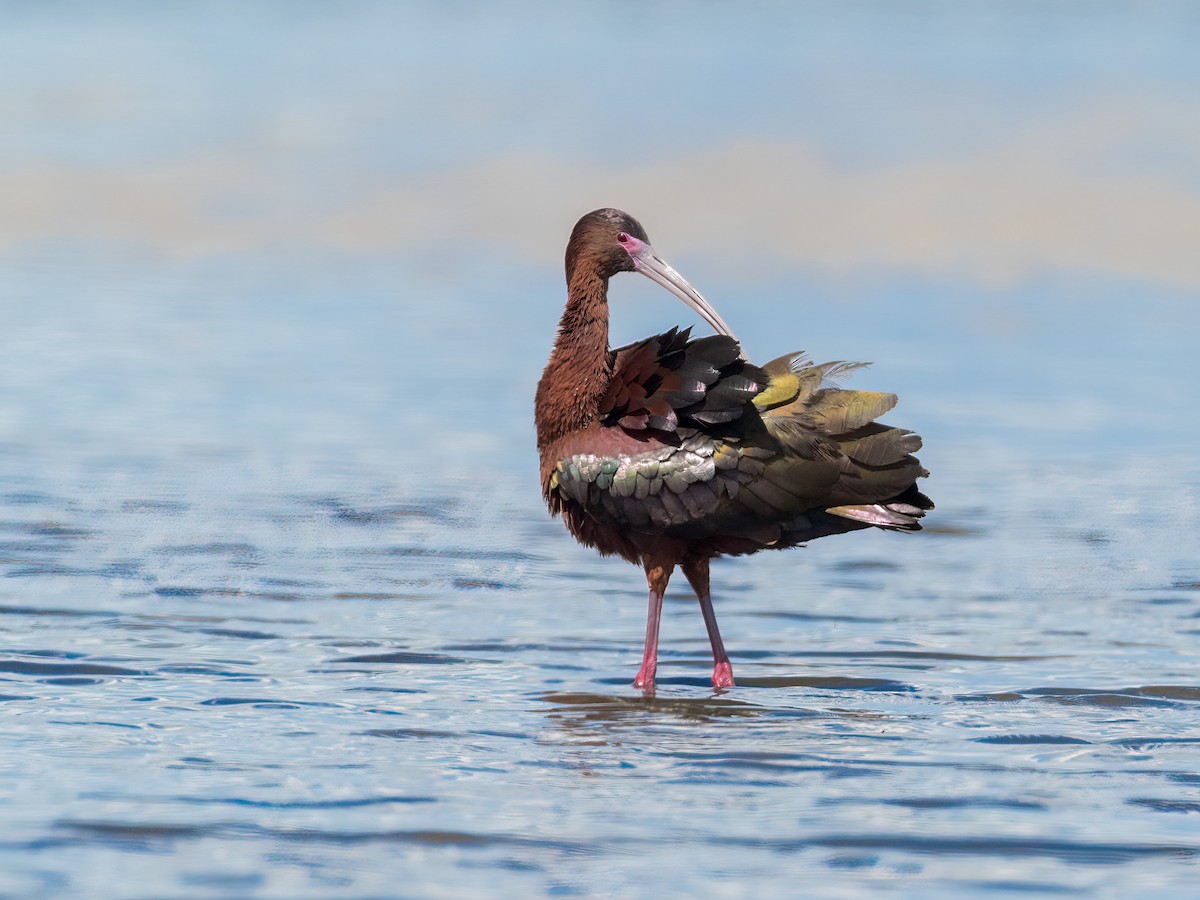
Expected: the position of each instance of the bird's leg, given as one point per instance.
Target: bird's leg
(658, 573)
(696, 571)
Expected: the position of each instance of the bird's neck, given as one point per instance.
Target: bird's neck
(580, 367)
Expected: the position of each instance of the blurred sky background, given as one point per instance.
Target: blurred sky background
(355, 212)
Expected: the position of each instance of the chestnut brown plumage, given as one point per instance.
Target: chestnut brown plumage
(672, 451)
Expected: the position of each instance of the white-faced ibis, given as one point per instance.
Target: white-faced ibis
(672, 451)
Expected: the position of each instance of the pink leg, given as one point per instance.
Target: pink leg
(645, 675)
(657, 575)
(722, 668)
(697, 575)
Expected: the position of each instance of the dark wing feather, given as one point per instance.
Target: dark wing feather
(668, 381)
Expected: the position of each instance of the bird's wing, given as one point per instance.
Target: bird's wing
(699, 444)
(668, 380)
(817, 421)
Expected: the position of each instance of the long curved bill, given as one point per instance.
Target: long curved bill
(654, 267)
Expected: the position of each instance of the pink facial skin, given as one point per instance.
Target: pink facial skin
(633, 246)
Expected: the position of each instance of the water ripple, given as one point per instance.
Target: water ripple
(1074, 852)
(25, 667)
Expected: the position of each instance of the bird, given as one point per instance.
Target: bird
(674, 450)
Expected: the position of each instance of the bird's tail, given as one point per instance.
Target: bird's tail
(805, 408)
(902, 513)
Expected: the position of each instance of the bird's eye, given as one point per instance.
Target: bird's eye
(623, 238)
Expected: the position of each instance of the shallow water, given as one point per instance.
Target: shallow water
(282, 614)
(281, 663)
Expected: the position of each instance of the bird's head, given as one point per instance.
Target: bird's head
(596, 242)
(608, 241)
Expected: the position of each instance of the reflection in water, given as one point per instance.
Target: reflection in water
(590, 708)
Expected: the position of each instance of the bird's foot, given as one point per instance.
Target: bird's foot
(645, 680)
(722, 675)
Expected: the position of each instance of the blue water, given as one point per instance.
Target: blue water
(281, 612)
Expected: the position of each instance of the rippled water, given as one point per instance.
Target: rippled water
(282, 663)
(282, 615)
